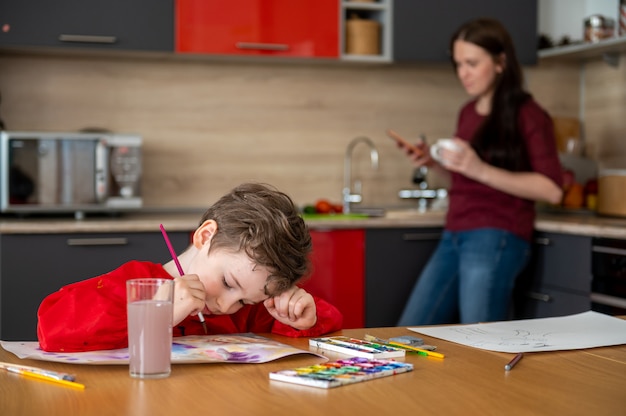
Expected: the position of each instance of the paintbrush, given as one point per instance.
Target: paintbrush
(180, 270)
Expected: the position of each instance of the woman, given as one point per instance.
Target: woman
(504, 160)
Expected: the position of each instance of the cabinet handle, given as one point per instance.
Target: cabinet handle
(542, 297)
(97, 241)
(543, 241)
(88, 39)
(262, 46)
(421, 236)
(603, 299)
(609, 250)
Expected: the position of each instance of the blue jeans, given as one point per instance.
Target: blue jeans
(469, 278)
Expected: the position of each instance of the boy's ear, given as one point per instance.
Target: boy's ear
(204, 233)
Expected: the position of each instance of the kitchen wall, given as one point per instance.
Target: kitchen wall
(604, 112)
(209, 124)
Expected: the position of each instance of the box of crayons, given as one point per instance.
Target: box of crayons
(356, 347)
(341, 372)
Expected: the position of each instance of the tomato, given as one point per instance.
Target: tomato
(338, 208)
(322, 206)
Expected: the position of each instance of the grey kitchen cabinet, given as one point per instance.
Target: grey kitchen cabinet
(35, 265)
(394, 259)
(557, 280)
(422, 29)
(114, 24)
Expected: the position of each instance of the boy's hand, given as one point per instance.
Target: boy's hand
(295, 308)
(189, 296)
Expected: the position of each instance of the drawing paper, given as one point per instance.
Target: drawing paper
(584, 330)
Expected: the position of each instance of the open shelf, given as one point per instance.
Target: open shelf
(379, 11)
(609, 49)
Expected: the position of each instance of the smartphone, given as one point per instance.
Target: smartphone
(404, 142)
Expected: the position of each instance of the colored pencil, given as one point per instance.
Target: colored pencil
(509, 366)
(427, 352)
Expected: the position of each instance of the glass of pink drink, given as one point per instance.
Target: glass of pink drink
(150, 310)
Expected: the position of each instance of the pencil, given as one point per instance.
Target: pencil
(39, 376)
(180, 270)
(514, 361)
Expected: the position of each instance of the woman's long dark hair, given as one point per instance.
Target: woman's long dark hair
(498, 140)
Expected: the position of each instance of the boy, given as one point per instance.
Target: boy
(241, 268)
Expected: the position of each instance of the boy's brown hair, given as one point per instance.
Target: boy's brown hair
(265, 223)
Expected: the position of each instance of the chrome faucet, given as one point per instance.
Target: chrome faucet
(423, 194)
(348, 196)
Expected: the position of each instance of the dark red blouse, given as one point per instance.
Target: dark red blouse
(474, 205)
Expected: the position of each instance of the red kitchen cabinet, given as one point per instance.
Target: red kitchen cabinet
(339, 272)
(302, 28)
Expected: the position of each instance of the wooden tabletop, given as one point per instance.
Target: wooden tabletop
(468, 381)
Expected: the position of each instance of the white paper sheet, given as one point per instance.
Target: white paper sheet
(584, 330)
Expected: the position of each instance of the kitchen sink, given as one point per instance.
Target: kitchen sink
(377, 212)
(334, 217)
(407, 213)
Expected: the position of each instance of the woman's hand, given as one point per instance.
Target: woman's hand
(189, 296)
(423, 157)
(463, 159)
(295, 308)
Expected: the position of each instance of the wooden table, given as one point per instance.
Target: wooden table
(468, 381)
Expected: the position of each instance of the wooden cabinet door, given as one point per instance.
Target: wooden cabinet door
(422, 29)
(394, 259)
(112, 24)
(305, 28)
(34, 265)
(338, 272)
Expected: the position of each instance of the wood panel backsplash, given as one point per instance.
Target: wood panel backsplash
(209, 125)
(605, 112)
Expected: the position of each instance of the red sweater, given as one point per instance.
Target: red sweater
(91, 314)
(474, 205)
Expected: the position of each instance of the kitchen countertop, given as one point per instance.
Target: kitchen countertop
(187, 220)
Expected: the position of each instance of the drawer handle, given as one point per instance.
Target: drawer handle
(263, 46)
(603, 299)
(97, 241)
(543, 241)
(609, 250)
(542, 297)
(421, 236)
(88, 39)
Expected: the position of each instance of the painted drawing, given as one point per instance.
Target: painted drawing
(231, 348)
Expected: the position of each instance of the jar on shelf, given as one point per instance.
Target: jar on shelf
(362, 36)
(598, 27)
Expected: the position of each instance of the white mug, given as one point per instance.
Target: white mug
(448, 144)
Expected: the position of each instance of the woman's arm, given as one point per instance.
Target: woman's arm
(528, 185)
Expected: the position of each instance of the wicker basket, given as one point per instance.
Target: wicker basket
(362, 37)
